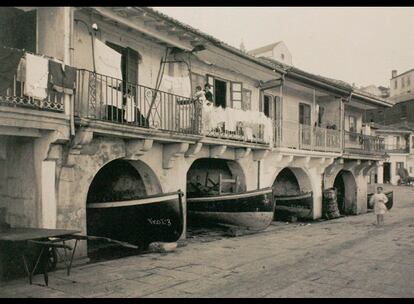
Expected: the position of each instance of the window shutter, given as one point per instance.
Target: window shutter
(247, 100)
(236, 95)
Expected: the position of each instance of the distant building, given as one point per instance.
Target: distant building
(380, 91)
(277, 51)
(402, 95)
(398, 143)
(402, 86)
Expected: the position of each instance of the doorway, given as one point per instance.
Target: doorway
(387, 173)
(220, 92)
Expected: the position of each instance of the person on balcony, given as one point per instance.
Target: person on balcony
(208, 93)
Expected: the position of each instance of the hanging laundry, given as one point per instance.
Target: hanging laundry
(61, 80)
(107, 60)
(21, 70)
(36, 77)
(9, 61)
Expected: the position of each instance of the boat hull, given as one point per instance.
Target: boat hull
(300, 206)
(142, 221)
(390, 196)
(251, 210)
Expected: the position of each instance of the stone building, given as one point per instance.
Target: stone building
(134, 66)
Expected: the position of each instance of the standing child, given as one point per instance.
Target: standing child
(379, 200)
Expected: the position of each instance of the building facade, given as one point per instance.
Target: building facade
(136, 69)
(277, 51)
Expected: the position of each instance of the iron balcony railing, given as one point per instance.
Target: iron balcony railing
(361, 143)
(14, 96)
(106, 98)
(395, 148)
(292, 134)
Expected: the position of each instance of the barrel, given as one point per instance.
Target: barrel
(330, 204)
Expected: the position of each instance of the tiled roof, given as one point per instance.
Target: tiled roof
(267, 62)
(331, 81)
(206, 36)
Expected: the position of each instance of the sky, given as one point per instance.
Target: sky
(359, 45)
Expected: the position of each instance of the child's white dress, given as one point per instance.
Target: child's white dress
(379, 200)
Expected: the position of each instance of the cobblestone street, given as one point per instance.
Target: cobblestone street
(346, 257)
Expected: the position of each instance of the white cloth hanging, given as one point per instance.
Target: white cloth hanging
(107, 60)
(36, 76)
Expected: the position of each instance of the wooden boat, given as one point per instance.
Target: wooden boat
(252, 210)
(299, 205)
(390, 196)
(139, 221)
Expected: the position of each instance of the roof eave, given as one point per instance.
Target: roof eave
(372, 100)
(317, 82)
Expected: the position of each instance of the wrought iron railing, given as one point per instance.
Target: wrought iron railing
(395, 148)
(291, 134)
(106, 98)
(247, 132)
(14, 95)
(361, 143)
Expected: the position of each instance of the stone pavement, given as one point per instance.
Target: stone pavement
(346, 257)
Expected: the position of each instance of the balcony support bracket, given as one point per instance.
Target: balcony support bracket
(259, 154)
(241, 153)
(172, 152)
(217, 151)
(193, 150)
(135, 148)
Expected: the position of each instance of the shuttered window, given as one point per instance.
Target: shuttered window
(246, 100)
(236, 95)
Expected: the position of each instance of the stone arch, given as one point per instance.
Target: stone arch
(295, 180)
(197, 173)
(346, 187)
(121, 179)
(296, 183)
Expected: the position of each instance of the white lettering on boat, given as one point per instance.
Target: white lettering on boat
(166, 222)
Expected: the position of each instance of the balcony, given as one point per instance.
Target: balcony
(290, 134)
(357, 143)
(100, 97)
(104, 98)
(14, 96)
(396, 148)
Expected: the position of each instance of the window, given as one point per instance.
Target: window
(267, 99)
(408, 80)
(246, 100)
(396, 142)
(282, 56)
(411, 170)
(412, 141)
(236, 95)
(304, 114)
(402, 81)
(399, 165)
(320, 115)
(352, 124)
(395, 84)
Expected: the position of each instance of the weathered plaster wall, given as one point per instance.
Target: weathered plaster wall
(19, 191)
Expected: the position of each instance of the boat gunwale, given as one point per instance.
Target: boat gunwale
(230, 195)
(293, 197)
(136, 202)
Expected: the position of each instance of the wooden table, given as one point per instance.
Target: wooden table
(46, 239)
